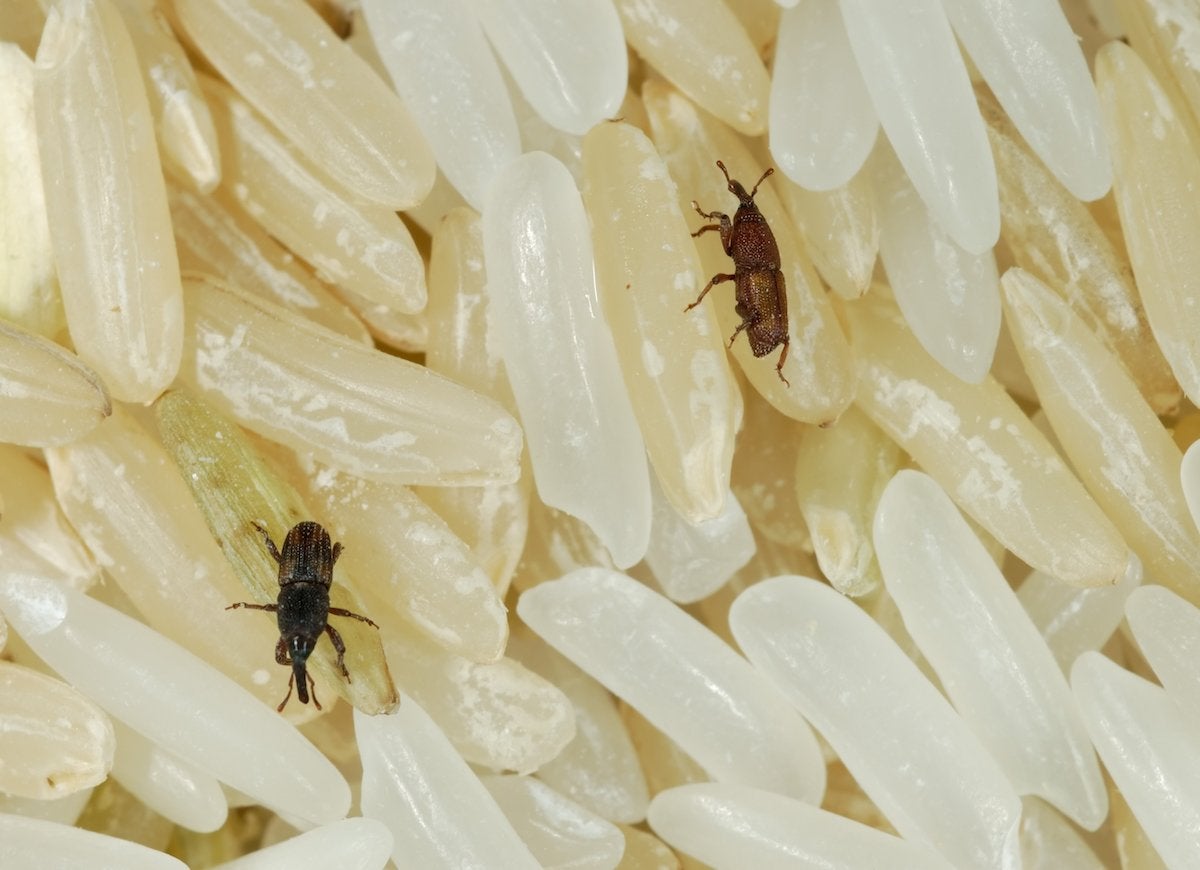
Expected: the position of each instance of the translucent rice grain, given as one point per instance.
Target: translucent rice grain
(1167, 630)
(1156, 164)
(48, 396)
(1149, 749)
(437, 56)
(571, 65)
(701, 48)
(840, 474)
(351, 844)
(840, 228)
(29, 295)
(760, 18)
(1054, 237)
(910, 752)
(1048, 842)
(819, 365)
(171, 787)
(182, 121)
(680, 676)
(405, 332)
(214, 235)
(645, 852)
(1123, 454)
(354, 407)
(1133, 847)
(912, 68)
(964, 617)
(55, 741)
(647, 272)
(458, 303)
(1031, 61)
(664, 762)
(413, 560)
(730, 827)
(557, 544)
(538, 135)
(106, 201)
(329, 103)
(501, 716)
(770, 560)
(767, 443)
(174, 699)
(28, 842)
(587, 452)
(1189, 474)
(1071, 620)
(120, 488)
(493, 520)
(559, 832)
(63, 811)
(115, 812)
(440, 815)
(234, 488)
(362, 247)
(822, 122)
(1164, 34)
(599, 768)
(441, 200)
(35, 536)
(692, 561)
(950, 298)
(981, 448)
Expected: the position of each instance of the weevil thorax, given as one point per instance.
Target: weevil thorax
(307, 555)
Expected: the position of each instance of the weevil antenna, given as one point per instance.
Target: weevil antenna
(725, 172)
(761, 180)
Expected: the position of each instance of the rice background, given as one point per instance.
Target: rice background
(418, 271)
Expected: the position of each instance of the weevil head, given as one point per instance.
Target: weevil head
(746, 200)
(300, 647)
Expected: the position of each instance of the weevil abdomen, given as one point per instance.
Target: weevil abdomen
(308, 555)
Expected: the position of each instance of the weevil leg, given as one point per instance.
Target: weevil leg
(717, 279)
(704, 229)
(266, 536)
(246, 604)
(341, 611)
(312, 690)
(709, 215)
(287, 697)
(741, 326)
(281, 653)
(340, 647)
(337, 551)
(782, 360)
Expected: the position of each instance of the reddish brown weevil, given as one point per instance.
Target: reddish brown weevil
(302, 610)
(760, 292)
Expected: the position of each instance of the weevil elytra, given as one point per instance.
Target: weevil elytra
(760, 292)
(302, 610)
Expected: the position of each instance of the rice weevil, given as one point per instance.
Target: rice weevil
(760, 292)
(302, 610)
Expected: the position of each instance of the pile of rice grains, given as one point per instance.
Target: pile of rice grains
(607, 433)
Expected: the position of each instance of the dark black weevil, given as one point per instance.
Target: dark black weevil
(760, 292)
(302, 609)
